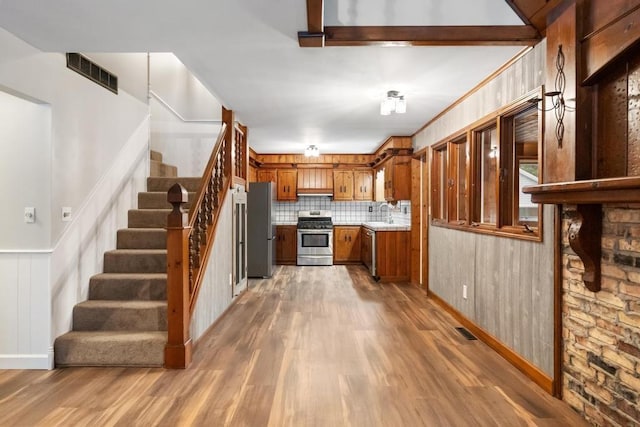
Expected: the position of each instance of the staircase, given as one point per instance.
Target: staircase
(124, 322)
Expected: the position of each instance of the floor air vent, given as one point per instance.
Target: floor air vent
(468, 335)
(83, 65)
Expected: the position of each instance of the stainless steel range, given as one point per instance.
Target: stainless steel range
(315, 238)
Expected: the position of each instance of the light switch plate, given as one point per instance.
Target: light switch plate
(66, 213)
(29, 215)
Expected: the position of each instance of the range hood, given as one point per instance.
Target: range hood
(317, 192)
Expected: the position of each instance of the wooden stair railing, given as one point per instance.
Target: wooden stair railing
(189, 242)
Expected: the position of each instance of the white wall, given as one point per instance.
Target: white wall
(89, 124)
(186, 145)
(178, 87)
(185, 117)
(25, 172)
(130, 68)
(94, 160)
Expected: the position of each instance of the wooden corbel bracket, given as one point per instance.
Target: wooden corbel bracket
(585, 230)
(585, 233)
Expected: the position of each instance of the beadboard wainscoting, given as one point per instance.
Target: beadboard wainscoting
(25, 310)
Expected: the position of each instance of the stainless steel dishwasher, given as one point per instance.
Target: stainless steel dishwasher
(369, 250)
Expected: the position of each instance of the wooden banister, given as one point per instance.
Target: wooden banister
(177, 353)
(189, 243)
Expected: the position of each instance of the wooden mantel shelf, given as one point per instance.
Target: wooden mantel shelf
(585, 229)
(593, 191)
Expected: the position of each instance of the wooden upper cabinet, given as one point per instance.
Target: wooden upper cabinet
(253, 174)
(315, 180)
(287, 180)
(397, 179)
(363, 185)
(267, 175)
(342, 185)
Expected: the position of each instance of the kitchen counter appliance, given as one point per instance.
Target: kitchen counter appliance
(315, 238)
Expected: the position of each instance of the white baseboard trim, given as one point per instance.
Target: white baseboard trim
(26, 361)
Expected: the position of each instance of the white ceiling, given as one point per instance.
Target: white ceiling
(246, 52)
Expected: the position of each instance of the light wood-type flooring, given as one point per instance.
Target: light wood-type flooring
(313, 346)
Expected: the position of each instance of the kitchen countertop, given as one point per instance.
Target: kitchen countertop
(385, 226)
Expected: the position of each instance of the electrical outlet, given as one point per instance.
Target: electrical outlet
(29, 215)
(464, 291)
(370, 208)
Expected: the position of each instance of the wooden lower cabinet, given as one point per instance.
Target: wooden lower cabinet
(346, 244)
(393, 255)
(286, 244)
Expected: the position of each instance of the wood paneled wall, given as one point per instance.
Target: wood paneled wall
(509, 282)
(510, 286)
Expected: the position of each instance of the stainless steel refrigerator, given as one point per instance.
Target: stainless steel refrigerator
(261, 233)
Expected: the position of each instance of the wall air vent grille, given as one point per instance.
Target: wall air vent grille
(92, 71)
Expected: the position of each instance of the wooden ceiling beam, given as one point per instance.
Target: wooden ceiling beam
(314, 36)
(534, 12)
(503, 35)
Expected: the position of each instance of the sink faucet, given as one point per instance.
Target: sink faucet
(389, 217)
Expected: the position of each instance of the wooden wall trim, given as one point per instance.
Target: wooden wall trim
(558, 345)
(523, 365)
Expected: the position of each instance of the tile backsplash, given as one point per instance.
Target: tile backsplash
(345, 212)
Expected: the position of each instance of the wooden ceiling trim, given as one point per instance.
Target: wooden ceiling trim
(503, 35)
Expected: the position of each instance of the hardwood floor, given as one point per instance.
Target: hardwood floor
(313, 346)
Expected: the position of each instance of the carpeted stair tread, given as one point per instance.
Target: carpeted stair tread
(135, 261)
(158, 200)
(158, 168)
(142, 238)
(148, 218)
(109, 348)
(128, 286)
(105, 315)
(164, 184)
(155, 155)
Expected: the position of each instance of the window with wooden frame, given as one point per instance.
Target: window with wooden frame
(449, 161)
(478, 176)
(487, 160)
(439, 181)
(520, 167)
(457, 181)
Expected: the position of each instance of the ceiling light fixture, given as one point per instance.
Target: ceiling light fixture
(393, 103)
(312, 151)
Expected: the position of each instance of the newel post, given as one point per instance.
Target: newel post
(177, 353)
